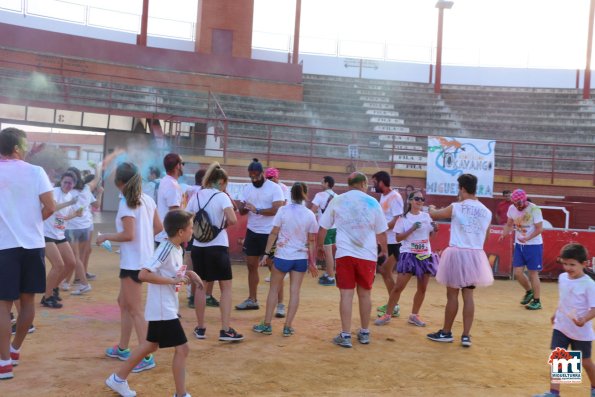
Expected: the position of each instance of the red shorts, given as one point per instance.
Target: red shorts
(351, 271)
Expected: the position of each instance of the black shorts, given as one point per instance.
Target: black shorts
(53, 240)
(212, 263)
(255, 243)
(561, 340)
(133, 274)
(394, 250)
(167, 333)
(22, 271)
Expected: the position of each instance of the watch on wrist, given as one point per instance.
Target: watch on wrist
(257, 211)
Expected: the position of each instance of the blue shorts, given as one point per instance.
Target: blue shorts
(291, 265)
(528, 255)
(561, 340)
(21, 271)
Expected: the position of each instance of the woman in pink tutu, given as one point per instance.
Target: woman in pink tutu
(413, 230)
(464, 264)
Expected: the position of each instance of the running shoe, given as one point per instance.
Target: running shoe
(90, 276)
(83, 289)
(200, 333)
(326, 281)
(416, 320)
(13, 329)
(363, 337)
(385, 319)
(261, 328)
(280, 312)
(343, 341)
(441, 336)
(116, 352)
(230, 335)
(534, 305)
(248, 304)
(50, 302)
(6, 372)
(548, 394)
(288, 331)
(56, 294)
(14, 357)
(145, 364)
(120, 387)
(211, 301)
(382, 311)
(527, 298)
(64, 286)
(466, 341)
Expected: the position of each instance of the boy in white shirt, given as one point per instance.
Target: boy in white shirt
(164, 273)
(576, 309)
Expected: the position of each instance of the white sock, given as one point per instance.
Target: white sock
(345, 334)
(4, 363)
(13, 350)
(118, 379)
(329, 277)
(364, 330)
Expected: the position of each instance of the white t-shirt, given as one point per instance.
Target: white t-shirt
(321, 199)
(262, 198)
(168, 195)
(162, 299)
(286, 192)
(577, 297)
(295, 222)
(470, 222)
(417, 242)
(215, 209)
(21, 224)
(133, 254)
(358, 218)
(524, 222)
(149, 188)
(55, 226)
(392, 205)
(84, 201)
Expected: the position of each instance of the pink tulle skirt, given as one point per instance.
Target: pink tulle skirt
(463, 267)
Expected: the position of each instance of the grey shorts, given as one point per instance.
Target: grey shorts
(78, 235)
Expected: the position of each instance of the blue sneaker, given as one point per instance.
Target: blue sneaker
(145, 364)
(116, 352)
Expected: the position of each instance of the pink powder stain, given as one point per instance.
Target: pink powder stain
(100, 312)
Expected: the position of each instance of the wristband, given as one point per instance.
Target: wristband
(269, 254)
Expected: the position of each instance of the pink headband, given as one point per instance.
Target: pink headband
(271, 173)
(518, 195)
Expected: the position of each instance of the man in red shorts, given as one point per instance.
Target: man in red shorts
(360, 225)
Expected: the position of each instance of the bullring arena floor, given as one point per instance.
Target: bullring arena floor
(64, 357)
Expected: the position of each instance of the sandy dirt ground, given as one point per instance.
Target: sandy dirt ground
(65, 356)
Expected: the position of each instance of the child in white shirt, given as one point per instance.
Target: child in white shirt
(165, 274)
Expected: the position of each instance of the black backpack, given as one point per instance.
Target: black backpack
(202, 228)
(330, 197)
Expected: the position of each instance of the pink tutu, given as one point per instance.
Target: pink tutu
(463, 267)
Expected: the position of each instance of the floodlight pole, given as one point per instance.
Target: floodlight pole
(296, 32)
(587, 81)
(440, 5)
(141, 39)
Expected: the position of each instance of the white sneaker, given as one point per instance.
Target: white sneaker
(64, 286)
(280, 312)
(185, 395)
(119, 387)
(83, 289)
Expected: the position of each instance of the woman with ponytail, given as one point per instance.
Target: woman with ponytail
(211, 259)
(294, 229)
(137, 223)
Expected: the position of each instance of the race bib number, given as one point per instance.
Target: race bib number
(419, 247)
(59, 222)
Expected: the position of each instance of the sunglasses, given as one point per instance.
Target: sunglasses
(182, 162)
(419, 199)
